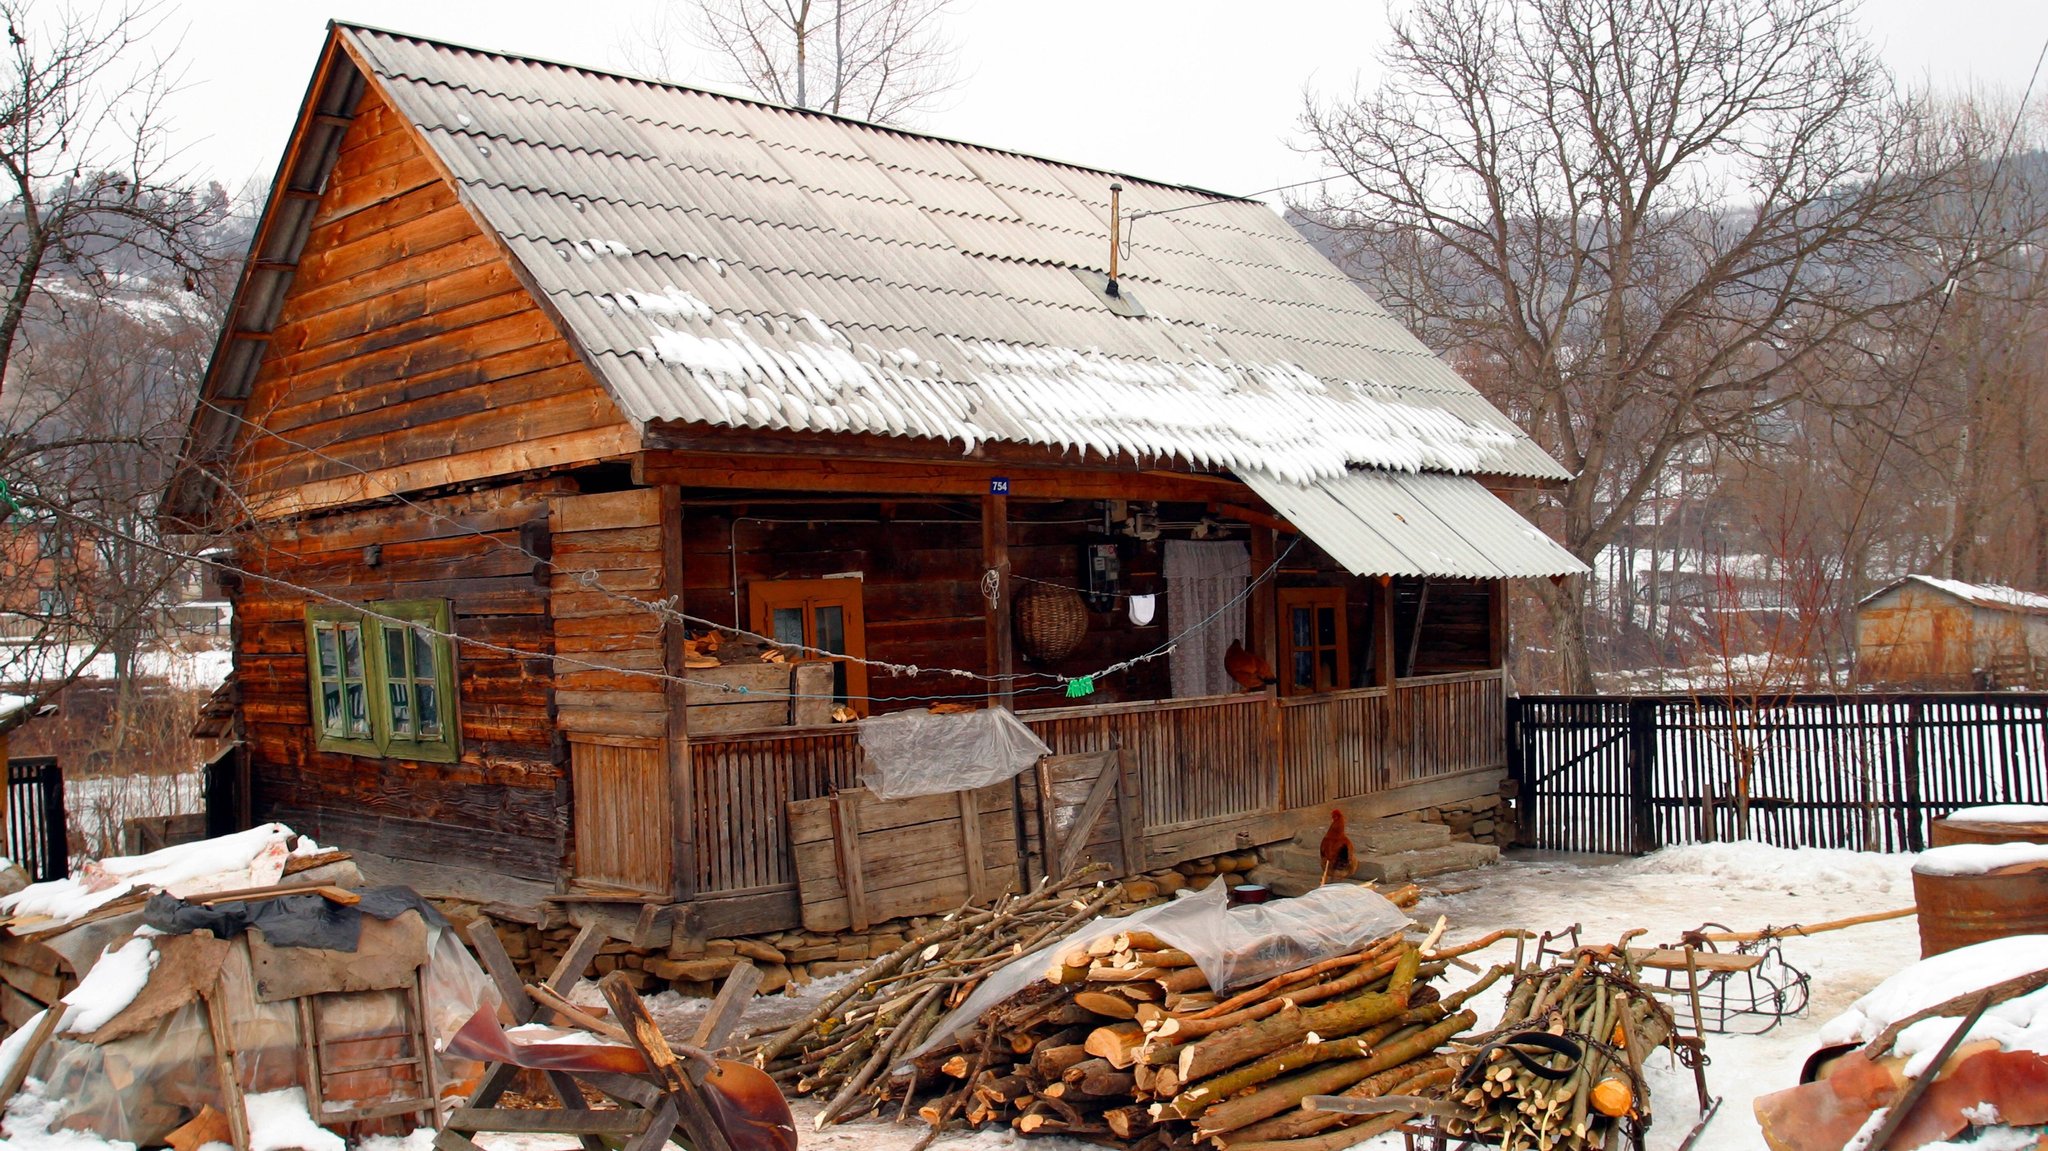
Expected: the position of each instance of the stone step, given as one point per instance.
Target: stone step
(1389, 836)
(1403, 866)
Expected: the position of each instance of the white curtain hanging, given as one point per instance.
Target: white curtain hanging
(1201, 577)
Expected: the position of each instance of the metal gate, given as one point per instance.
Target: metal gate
(35, 818)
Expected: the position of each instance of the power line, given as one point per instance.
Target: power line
(1964, 254)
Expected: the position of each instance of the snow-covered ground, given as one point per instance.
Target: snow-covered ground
(1743, 885)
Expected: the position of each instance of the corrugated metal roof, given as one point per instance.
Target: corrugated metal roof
(1996, 596)
(1385, 523)
(826, 275)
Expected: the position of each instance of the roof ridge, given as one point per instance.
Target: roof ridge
(892, 129)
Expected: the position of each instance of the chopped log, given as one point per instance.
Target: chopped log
(1296, 1123)
(1132, 1122)
(1048, 1063)
(1344, 1017)
(1117, 1042)
(1277, 1097)
(1104, 1004)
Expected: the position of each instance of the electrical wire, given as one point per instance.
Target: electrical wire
(1948, 292)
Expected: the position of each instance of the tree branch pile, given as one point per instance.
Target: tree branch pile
(1517, 1089)
(1123, 1039)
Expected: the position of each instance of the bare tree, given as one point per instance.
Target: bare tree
(1655, 223)
(87, 179)
(877, 60)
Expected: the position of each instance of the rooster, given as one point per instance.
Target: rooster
(1246, 667)
(1338, 857)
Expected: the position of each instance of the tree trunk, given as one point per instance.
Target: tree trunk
(1564, 605)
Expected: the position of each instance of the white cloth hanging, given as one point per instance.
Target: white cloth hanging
(1201, 577)
(1142, 608)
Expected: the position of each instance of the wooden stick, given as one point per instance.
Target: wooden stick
(1800, 928)
(1999, 993)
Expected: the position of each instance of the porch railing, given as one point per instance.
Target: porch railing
(1351, 743)
(1198, 761)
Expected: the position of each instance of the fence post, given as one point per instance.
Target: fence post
(1642, 765)
(1916, 807)
(1518, 792)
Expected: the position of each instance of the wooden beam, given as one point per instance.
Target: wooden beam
(682, 794)
(998, 642)
(1254, 517)
(846, 838)
(1383, 632)
(887, 473)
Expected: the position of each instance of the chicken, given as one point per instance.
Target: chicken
(1338, 857)
(1246, 667)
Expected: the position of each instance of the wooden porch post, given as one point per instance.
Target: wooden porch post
(1383, 634)
(995, 557)
(681, 784)
(1497, 624)
(1393, 743)
(1264, 639)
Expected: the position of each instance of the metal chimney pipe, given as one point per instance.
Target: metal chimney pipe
(1115, 223)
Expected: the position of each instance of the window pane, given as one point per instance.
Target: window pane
(330, 709)
(1301, 621)
(1328, 678)
(788, 625)
(423, 664)
(429, 711)
(357, 701)
(1304, 669)
(351, 650)
(1326, 625)
(330, 656)
(394, 654)
(401, 707)
(831, 625)
(839, 682)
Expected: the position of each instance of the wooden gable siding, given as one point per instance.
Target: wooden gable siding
(504, 806)
(407, 355)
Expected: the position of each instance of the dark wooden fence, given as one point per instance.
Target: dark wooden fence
(1630, 774)
(35, 818)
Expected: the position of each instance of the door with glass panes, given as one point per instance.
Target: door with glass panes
(822, 616)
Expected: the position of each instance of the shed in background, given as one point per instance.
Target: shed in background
(1941, 634)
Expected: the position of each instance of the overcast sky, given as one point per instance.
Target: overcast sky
(1201, 92)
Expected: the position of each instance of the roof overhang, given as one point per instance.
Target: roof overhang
(1380, 523)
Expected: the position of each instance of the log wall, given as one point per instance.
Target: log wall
(504, 805)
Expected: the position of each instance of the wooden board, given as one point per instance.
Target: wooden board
(1084, 808)
(860, 860)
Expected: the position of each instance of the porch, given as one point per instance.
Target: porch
(1209, 775)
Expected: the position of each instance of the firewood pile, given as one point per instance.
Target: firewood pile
(1565, 1066)
(1124, 1041)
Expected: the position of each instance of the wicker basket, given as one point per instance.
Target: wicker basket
(1050, 621)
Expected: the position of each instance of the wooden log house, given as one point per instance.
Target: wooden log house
(535, 373)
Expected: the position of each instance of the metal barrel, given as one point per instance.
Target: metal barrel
(1946, 832)
(1958, 910)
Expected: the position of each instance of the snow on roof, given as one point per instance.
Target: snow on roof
(737, 264)
(1981, 594)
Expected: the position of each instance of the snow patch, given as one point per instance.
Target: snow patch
(109, 987)
(1803, 870)
(252, 858)
(2018, 1024)
(30, 1115)
(2002, 813)
(279, 1121)
(1978, 858)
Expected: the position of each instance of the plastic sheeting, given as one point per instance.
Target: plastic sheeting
(1233, 946)
(920, 753)
(144, 1084)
